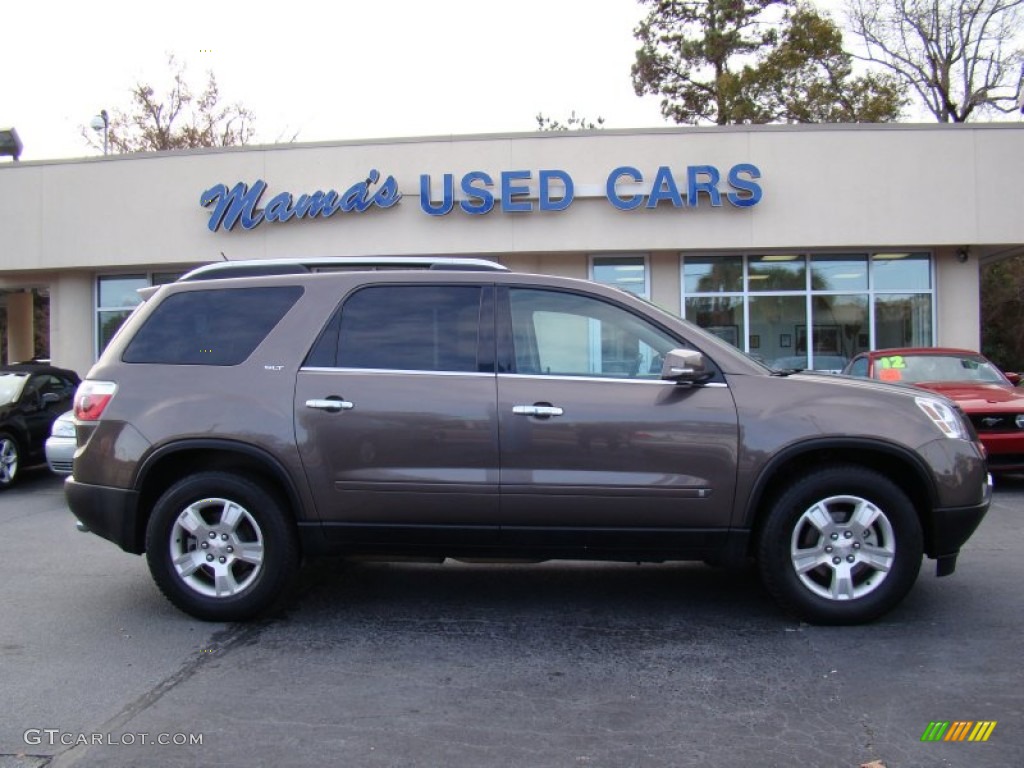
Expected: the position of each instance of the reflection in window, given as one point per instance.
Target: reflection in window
(775, 323)
(840, 329)
(437, 328)
(901, 272)
(563, 334)
(915, 368)
(777, 272)
(121, 291)
(116, 297)
(903, 320)
(628, 273)
(714, 274)
(839, 272)
(722, 315)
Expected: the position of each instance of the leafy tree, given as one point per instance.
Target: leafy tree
(960, 56)
(176, 119)
(808, 78)
(572, 123)
(753, 61)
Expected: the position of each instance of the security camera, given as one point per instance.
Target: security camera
(962, 254)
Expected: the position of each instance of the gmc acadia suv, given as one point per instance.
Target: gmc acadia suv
(253, 413)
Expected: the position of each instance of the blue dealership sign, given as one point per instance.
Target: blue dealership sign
(477, 193)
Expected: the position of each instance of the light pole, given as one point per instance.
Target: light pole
(10, 143)
(102, 123)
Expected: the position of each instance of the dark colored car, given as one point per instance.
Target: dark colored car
(32, 396)
(989, 397)
(236, 424)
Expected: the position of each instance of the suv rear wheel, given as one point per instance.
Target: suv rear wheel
(841, 546)
(220, 546)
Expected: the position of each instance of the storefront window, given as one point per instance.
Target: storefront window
(775, 323)
(722, 315)
(120, 292)
(901, 272)
(628, 273)
(840, 329)
(839, 272)
(855, 302)
(903, 320)
(717, 274)
(777, 272)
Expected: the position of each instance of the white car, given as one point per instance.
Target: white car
(60, 445)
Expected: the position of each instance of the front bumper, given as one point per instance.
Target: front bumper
(111, 513)
(951, 527)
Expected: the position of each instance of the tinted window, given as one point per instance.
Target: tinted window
(219, 327)
(565, 334)
(407, 327)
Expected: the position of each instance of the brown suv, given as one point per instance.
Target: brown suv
(251, 414)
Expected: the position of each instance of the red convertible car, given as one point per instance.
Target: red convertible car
(989, 397)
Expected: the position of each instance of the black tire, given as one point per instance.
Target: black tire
(843, 545)
(10, 460)
(221, 546)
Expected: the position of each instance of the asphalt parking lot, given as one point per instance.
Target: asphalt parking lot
(560, 664)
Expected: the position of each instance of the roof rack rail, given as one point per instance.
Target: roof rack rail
(265, 267)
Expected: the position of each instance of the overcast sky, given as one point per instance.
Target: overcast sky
(327, 70)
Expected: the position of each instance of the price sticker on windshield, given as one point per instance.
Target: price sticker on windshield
(891, 368)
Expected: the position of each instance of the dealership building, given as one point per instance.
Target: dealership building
(796, 243)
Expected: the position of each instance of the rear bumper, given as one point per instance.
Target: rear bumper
(111, 513)
(951, 527)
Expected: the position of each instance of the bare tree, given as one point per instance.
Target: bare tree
(572, 123)
(962, 57)
(177, 119)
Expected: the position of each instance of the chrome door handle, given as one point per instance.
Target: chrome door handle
(537, 410)
(332, 405)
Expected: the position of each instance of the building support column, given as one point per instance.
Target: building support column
(20, 327)
(71, 321)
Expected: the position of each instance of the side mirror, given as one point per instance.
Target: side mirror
(50, 398)
(1013, 377)
(684, 366)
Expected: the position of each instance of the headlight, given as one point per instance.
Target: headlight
(944, 416)
(62, 428)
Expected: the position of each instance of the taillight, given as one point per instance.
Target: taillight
(92, 398)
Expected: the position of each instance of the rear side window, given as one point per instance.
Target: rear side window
(218, 327)
(405, 328)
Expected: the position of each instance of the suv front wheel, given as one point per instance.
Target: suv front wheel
(841, 546)
(221, 546)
